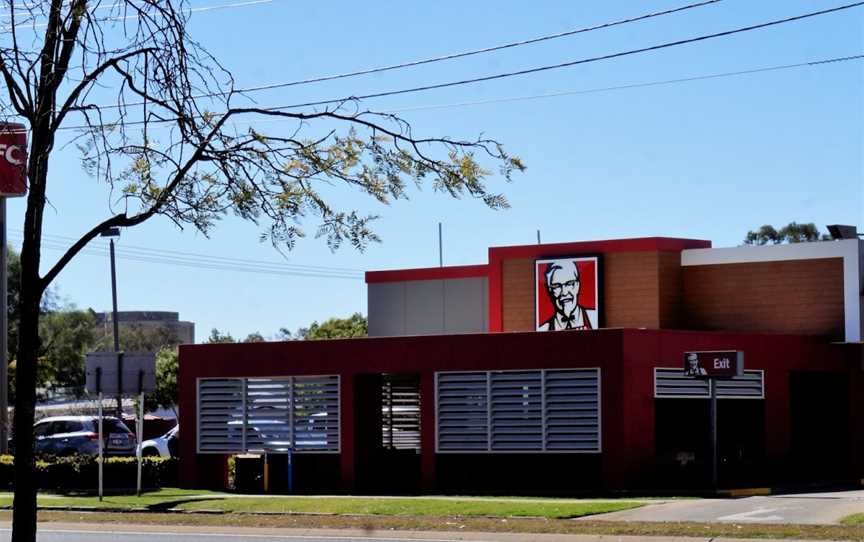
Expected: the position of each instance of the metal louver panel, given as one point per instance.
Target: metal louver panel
(572, 405)
(463, 411)
(750, 385)
(220, 415)
(519, 411)
(673, 383)
(400, 412)
(316, 413)
(268, 414)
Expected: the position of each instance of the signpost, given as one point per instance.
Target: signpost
(13, 183)
(121, 373)
(714, 365)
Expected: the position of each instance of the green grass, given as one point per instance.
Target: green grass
(855, 520)
(203, 500)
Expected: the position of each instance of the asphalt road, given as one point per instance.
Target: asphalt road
(47, 534)
(811, 508)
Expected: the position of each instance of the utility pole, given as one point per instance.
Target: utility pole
(115, 232)
(440, 247)
(4, 332)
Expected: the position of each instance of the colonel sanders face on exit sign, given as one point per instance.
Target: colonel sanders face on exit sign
(567, 293)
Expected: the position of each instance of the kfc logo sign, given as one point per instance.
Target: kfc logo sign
(13, 160)
(13, 154)
(567, 293)
(717, 364)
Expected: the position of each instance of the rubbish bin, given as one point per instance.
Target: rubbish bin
(249, 473)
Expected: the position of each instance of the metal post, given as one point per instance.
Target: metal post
(713, 427)
(99, 395)
(440, 247)
(290, 471)
(538, 237)
(140, 428)
(116, 334)
(266, 476)
(4, 333)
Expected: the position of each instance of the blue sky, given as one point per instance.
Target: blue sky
(707, 159)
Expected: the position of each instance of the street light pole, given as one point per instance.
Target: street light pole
(115, 232)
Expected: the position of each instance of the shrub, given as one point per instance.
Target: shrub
(81, 472)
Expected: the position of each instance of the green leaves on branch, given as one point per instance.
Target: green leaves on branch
(286, 182)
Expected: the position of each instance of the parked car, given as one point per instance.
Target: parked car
(70, 435)
(165, 446)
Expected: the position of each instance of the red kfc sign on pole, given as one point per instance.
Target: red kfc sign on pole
(13, 160)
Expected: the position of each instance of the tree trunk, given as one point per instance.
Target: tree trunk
(26, 485)
(24, 505)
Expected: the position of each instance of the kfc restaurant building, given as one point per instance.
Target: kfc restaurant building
(554, 369)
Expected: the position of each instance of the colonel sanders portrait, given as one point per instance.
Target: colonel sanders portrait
(693, 368)
(563, 284)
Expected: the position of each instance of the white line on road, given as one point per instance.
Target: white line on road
(753, 515)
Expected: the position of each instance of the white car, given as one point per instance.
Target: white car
(164, 446)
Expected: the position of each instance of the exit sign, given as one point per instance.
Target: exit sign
(714, 364)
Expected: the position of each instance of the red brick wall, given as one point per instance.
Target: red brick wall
(639, 289)
(808, 299)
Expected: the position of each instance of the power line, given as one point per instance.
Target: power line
(62, 242)
(34, 25)
(628, 86)
(185, 254)
(93, 251)
(451, 56)
(539, 69)
(472, 52)
(574, 62)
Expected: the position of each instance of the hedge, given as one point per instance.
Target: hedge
(81, 472)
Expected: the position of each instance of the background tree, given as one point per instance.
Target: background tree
(137, 338)
(165, 394)
(254, 337)
(159, 122)
(217, 337)
(790, 233)
(355, 325)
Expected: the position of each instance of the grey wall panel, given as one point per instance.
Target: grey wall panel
(465, 309)
(386, 306)
(424, 307)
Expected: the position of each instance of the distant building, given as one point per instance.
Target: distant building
(164, 323)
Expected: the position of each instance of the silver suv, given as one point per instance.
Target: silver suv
(70, 435)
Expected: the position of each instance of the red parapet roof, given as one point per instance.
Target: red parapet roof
(428, 273)
(642, 244)
(639, 244)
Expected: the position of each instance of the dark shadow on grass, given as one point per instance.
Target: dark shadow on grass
(167, 505)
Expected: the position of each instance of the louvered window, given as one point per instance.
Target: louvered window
(268, 414)
(463, 411)
(673, 383)
(572, 399)
(220, 415)
(519, 411)
(400, 412)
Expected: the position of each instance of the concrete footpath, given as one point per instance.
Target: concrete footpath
(826, 508)
(74, 532)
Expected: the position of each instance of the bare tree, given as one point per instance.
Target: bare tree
(159, 121)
